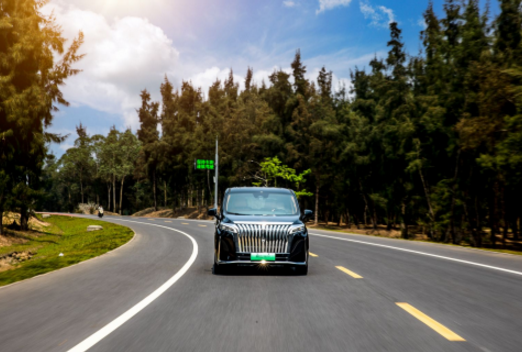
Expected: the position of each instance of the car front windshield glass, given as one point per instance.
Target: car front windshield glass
(261, 203)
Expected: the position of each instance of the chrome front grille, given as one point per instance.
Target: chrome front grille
(262, 238)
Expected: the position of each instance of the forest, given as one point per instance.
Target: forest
(428, 143)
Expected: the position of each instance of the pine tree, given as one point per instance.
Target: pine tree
(299, 71)
(394, 114)
(248, 79)
(29, 90)
(508, 39)
(148, 135)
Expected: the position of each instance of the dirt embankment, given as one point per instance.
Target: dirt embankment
(11, 222)
(365, 230)
(187, 213)
(13, 236)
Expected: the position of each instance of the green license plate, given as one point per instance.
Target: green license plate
(263, 256)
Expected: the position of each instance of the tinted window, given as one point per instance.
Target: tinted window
(261, 203)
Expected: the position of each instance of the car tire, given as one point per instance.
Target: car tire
(217, 269)
(301, 270)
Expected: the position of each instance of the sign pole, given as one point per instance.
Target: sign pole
(216, 165)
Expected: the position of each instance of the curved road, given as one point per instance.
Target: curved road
(362, 293)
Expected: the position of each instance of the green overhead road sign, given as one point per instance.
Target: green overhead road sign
(200, 164)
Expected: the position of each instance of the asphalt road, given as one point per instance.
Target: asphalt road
(410, 296)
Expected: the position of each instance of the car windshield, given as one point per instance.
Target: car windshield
(261, 203)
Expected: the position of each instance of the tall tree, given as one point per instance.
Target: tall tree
(29, 92)
(128, 149)
(299, 71)
(148, 135)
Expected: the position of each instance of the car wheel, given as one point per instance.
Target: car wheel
(217, 269)
(301, 270)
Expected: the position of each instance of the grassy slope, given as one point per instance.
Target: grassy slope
(67, 235)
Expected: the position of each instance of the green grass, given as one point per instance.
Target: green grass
(67, 235)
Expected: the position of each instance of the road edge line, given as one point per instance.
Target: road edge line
(138, 307)
(424, 253)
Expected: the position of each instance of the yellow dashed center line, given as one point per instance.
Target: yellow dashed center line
(184, 223)
(312, 255)
(349, 272)
(167, 221)
(438, 327)
(202, 225)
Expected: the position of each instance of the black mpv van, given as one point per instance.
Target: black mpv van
(260, 226)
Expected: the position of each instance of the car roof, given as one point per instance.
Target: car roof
(258, 189)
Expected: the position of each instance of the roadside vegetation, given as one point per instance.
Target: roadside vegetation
(420, 144)
(53, 243)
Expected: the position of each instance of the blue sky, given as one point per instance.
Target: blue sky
(132, 44)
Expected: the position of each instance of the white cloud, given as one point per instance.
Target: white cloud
(111, 8)
(123, 57)
(128, 54)
(325, 5)
(380, 16)
(289, 3)
(422, 23)
(206, 78)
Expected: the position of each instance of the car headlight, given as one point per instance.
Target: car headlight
(228, 227)
(296, 228)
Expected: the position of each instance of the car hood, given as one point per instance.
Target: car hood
(252, 218)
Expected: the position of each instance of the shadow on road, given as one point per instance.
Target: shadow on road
(258, 270)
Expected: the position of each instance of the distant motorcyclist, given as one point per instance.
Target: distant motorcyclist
(100, 211)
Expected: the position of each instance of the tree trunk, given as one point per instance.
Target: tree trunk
(453, 201)
(428, 200)
(404, 223)
(389, 223)
(109, 196)
(24, 217)
(69, 194)
(114, 194)
(356, 220)
(326, 210)
(198, 200)
(165, 192)
(504, 217)
(154, 190)
(121, 194)
(515, 228)
(316, 213)
(493, 216)
(374, 216)
(81, 186)
(1, 221)
(474, 226)
(365, 204)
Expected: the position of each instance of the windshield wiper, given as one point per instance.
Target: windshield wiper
(235, 213)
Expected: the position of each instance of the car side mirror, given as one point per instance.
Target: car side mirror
(307, 215)
(212, 212)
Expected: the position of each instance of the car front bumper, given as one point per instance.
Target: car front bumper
(226, 253)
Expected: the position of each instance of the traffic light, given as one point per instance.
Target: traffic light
(201, 164)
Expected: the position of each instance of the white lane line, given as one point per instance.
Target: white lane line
(119, 321)
(193, 220)
(423, 253)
